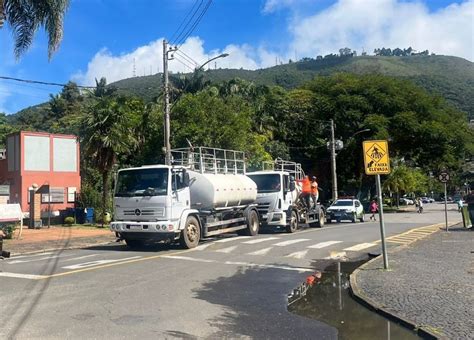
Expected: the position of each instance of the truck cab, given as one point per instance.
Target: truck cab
(149, 202)
(275, 196)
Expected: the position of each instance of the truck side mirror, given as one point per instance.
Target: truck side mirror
(186, 179)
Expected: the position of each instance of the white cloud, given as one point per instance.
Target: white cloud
(148, 59)
(274, 5)
(371, 24)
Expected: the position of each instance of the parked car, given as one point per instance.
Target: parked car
(345, 209)
(427, 200)
(406, 201)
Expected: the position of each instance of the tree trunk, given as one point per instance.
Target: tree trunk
(105, 186)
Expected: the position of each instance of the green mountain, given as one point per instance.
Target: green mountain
(450, 77)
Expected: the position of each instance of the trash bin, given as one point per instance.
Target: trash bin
(89, 215)
(80, 216)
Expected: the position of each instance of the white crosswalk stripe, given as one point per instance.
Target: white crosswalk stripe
(226, 250)
(360, 246)
(287, 243)
(263, 251)
(228, 239)
(299, 254)
(323, 244)
(259, 240)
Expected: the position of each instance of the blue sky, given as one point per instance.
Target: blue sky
(107, 37)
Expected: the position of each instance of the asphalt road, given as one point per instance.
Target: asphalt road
(228, 287)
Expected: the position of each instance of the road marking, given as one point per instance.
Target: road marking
(23, 276)
(187, 258)
(299, 254)
(259, 240)
(42, 259)
(23, 256)
(80, 257)
(287, 243)
(98, 263)
(244, 264)
(359, 247)
(263, 251)
(203, 246)
(226, 250)
(228, 239)
(335, 255)
(323, 244)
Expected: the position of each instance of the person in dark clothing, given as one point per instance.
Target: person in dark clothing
(470, 206)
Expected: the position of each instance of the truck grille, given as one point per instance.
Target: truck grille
(157, 212)
(263, 208)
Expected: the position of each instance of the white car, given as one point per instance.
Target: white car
(406, 201)
(345, 209)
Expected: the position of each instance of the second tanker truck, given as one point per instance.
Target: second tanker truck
(204, 192)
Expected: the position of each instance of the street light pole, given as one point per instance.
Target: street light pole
(333, 163)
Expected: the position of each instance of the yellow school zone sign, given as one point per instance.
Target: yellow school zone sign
(376, 157)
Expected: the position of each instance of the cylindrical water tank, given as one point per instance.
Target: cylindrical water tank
(210, 191)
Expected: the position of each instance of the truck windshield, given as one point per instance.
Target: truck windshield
(142, 182)
(267, 182)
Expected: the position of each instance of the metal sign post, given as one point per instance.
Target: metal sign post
(377, 162)
(444, 178)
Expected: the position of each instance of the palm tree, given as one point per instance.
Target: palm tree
(26, 16)
(108, 132)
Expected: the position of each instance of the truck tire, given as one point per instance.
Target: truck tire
(253, 223)
(293, 223)
(320, 222)
(134, 243)
(191, 234)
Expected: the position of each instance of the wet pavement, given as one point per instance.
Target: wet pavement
(325, 296)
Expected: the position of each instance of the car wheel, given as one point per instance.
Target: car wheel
(191, 233)
(354, 218)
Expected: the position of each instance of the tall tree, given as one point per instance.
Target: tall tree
(26, 16)
(108, 131)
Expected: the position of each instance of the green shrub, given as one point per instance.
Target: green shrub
(8, 230)
(69, 220)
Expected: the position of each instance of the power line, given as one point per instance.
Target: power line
(186, 57)
(196, 22)
(184, 63)
(29, 81)
(175, 41)
(182, 22)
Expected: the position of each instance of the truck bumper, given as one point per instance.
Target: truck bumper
(276, 219)
(147, 230)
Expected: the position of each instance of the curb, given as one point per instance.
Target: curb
(356, 292)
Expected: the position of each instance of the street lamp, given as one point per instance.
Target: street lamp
(167, 129)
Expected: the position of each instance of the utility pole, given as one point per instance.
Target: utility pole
(333, 163)
(167, 101)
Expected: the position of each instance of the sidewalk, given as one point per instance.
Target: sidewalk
(55, 238)
(429, 284)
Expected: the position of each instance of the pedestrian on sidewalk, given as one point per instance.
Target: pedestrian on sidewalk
(374, 208)
(469, 199)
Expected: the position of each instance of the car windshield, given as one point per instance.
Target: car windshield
(267, 182)
(142, 182)
(342, 203)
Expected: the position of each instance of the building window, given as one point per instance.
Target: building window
(56, 194)
(71, 194)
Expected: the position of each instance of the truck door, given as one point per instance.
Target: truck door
(180, 197)
(287, 197)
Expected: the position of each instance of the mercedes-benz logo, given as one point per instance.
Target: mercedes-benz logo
(138, 212)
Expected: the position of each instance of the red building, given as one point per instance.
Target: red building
(47, 162)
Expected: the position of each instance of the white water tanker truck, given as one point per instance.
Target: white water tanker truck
(204, 192)
(279, 197)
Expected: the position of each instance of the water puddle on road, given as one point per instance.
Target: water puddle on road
(326, 297)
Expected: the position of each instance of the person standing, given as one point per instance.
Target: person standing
(314, 191)
(374, 208)
(306, 191)
(469, 200)
(420, 205)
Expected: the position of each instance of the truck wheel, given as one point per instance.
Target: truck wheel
(293, 224)
(320, 222)
(134, 243)
(253, 224)
(191, 233)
